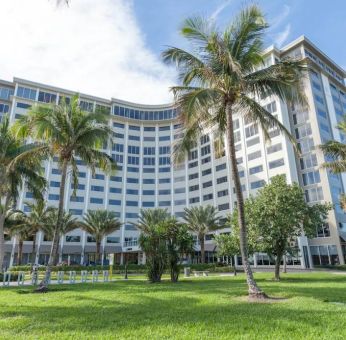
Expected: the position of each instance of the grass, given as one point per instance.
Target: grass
(196, 308)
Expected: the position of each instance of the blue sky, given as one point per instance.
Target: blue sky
(322, 21)
(111, 48)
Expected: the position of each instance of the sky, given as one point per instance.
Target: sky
(112, 48)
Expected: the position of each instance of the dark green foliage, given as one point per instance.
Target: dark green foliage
(280, 214)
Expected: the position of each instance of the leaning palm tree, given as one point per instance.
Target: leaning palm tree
(19, 164)
(224, 75)
(201, 220)
(100, 223)
(36, 219)
(68, 133)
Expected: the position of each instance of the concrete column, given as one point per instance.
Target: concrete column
(236, 260)
(255, 260)
(121, 258)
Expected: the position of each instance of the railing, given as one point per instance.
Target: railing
(131, 243)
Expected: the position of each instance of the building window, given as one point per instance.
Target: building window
(277, 163)
(114, 202)
(221, 180)
(207, 197)
(224, 206)
(254, 155)
(72, 238)
(96, 200)
(148, 204)
(256, 169)
(193, 176)
(257, 184)
(97, 188)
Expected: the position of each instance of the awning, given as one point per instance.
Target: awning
(112, 249)
(210, 247)
(72, 249)
(44, 248)
(27, 248)
(8, 247)
(90, 249)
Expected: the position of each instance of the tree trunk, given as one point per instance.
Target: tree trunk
(98, 255)
(2, 231)
(20, 251)
(254, 290)
(277, 266)
(2, 241)
(55, 243)
(201, 242)
(33, 251)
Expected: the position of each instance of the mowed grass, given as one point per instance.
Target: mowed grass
(201, 308)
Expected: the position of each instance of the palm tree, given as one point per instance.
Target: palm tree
(336, 153)
(201, 220)
(15, 226)
(68, 223)
(68, 133)
(100, 223)
(222, 76)
(19, 163)
(37, 220)
(152, 240)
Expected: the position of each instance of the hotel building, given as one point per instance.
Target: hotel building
(142, 144)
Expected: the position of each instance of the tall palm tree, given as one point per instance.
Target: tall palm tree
(201, 220)
(37, 220)
(68, 223)
(68, 133)
(223, 75)
(100, 223)
(19, 164)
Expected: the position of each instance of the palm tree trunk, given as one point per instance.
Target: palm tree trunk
(254, 290)
(20, 251)
(55, 243)
(33, 253)
(201, 242)
(98, 255)
(2, 231)
(2, 241)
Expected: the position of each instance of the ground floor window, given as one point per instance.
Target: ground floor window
(324, 255)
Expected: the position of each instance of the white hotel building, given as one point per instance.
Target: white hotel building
(143, 136)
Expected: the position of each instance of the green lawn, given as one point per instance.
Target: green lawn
(201, 308)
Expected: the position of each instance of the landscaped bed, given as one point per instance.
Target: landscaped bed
(195, 308)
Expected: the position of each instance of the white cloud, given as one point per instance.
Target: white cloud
(94, 47)
(219, 9)
(281, 37)
(279, 19)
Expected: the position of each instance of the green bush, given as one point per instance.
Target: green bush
(14, 277)
(341, 267)
(132, 268)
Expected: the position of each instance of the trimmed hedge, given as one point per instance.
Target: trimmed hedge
(341, 267)
(131, 268)
(14, 277)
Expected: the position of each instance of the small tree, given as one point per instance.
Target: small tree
(153, 241)
(228, 245)
(201, 220)
(100, 223)
(179, 242)
(280, 214)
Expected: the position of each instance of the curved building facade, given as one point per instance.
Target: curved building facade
(143, 136)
